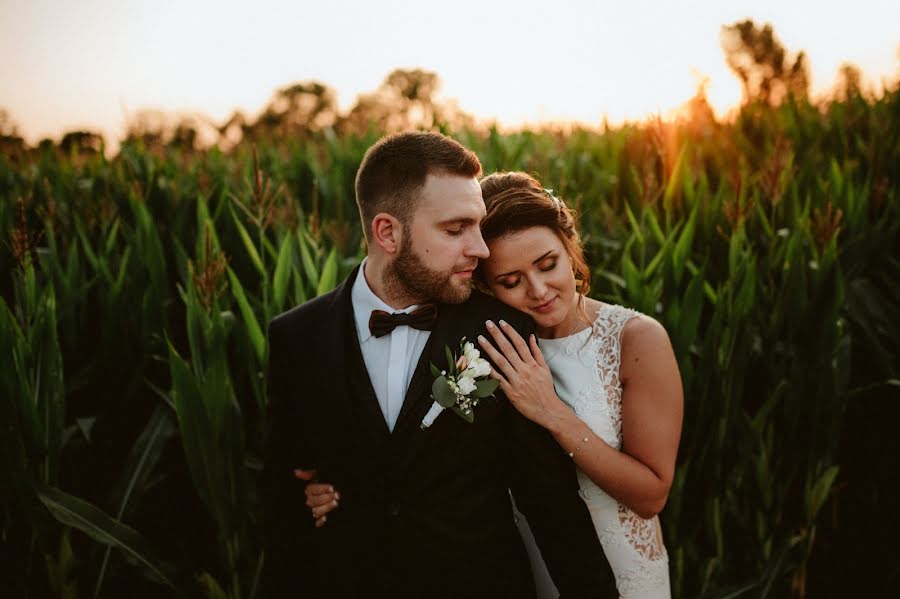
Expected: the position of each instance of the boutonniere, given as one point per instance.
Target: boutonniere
(460, 386)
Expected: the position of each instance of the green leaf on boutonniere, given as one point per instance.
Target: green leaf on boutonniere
(451, 361)
(467, 416)
(442, 393)
(485, 388)
(435, 371)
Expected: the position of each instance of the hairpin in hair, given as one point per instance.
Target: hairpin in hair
(555, 199)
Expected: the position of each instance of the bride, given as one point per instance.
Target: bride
(602, 379)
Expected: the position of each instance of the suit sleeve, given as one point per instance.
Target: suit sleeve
(546, 491)
(287, 524)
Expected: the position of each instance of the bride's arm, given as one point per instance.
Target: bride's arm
(640, 475)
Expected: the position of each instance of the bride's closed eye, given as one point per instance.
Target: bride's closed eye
(507, 284)
(548, 266)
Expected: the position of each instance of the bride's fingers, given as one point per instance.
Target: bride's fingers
(301, 474)
(318, 500)
(503, 344)
(536, 351)
(318, 489)
(495, 374)
(517, 342)
(499, 360)
(320, 510)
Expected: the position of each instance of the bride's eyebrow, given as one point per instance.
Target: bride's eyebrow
(512, 272)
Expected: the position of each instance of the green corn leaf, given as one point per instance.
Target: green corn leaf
(120, 280)
(819, 493)
(248, 246)
(747, 293)
(654, 226)
(674, 181)
(691, 310)
(81, 515)
(299, 288)
(141, 462)
(198, 437)
(309, 265)
(254, 332)
(282, 272)
(111, 238)
(86, 245)
(630, 274)
(683, 247)
(329, 274)
(211, 587)
(635, 227)
(659, 258)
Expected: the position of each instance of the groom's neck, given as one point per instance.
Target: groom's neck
(375, 271)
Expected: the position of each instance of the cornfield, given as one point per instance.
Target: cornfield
(136, 292)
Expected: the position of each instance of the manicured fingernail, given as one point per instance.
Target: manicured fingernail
(481, 339)
(489, 324)
(503, 323)
(330, 489)
(337, 495)
(334, 503)
(324, 518)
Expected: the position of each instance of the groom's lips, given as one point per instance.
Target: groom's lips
(466, 273)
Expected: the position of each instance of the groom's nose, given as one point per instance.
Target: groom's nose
(477, 248)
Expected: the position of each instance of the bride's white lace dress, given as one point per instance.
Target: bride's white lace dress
(586, 375)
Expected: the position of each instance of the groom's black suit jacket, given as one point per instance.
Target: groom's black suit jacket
(423, 513)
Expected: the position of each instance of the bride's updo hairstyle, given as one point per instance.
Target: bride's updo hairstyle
(516, 201)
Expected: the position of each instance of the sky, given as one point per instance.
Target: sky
(92, 64)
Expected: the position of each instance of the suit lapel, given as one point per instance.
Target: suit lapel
(363, 399)
(418, 400)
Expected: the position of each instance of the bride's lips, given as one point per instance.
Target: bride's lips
(545, 307)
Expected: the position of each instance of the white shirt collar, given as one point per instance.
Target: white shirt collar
(365, 302)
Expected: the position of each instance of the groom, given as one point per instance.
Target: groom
(424, 512)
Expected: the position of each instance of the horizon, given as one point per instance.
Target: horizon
(65, 71)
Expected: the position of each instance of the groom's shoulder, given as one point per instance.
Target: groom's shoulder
(483, 306)
(313, 313)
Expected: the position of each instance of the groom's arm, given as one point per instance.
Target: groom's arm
(288, 526)
(545, 487)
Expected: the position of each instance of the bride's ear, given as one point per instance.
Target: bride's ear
(387, 233)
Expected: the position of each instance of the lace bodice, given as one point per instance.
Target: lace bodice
(585, 370)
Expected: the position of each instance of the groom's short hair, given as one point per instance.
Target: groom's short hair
(394, 170)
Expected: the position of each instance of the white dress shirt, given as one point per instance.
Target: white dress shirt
(391, 359)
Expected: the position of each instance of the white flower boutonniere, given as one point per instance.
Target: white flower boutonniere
(462, 385)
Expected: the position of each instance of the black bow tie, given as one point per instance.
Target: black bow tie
(381, 323)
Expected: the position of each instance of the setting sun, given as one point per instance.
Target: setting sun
(93, 65)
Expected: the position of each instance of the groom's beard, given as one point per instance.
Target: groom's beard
(408, 275)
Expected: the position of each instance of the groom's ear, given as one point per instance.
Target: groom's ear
(387, 232)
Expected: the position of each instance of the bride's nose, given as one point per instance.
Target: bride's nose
(536, 288)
